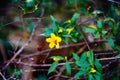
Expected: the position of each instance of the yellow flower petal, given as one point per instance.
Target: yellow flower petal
(65, 58)
(51, 45)
(92, 26)
(57, 45)
(69, 21)
(48, 40)
(58, 39)
(53, 35)
(56, 59)
(92, 70)
(69, 30)
(60, 31)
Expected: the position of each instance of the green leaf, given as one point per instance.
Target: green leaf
(98, 66)
(90, 57)
(53, 19)
(75, 56)
(111, 42)
(89, 30)
(70, 1)
(68, 68)
(97, 76)
(53, 67)
(117, 56)
(109, 19)
(83, 57)
(104, 33)
(75, 17)
(99, 24)
(90, 77)
(65, 40)
(79, 74)
(73, 39)
(117, 47)
(47, 32)
(31, 27)
(60, 57)
(54, 24)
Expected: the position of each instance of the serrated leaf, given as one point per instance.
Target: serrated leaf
(111, 42)
(75, 56)
(53, 67)
(79, 74)
(74, 18)
(68, 68)
(98, 66)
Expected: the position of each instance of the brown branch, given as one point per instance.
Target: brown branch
(62, 47)
(27, 43)
(60, 64)
(40, 65)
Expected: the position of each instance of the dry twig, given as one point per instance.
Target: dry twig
(26, 44)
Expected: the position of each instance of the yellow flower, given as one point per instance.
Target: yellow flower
(54, 41)
(60, 31)
(69, 21)
(56, 59)
(92, 26)
(65, 58)
(69, 30)
(92, 70)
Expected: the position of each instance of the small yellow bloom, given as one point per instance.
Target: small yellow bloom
(69, 30)
(92, 70)
(56, 59)
(92, 26)
(69, 21)
(65, 58)
(60, 31)
(54, 41)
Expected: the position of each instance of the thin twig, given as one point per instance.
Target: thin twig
(26, 44)
(3, 76)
